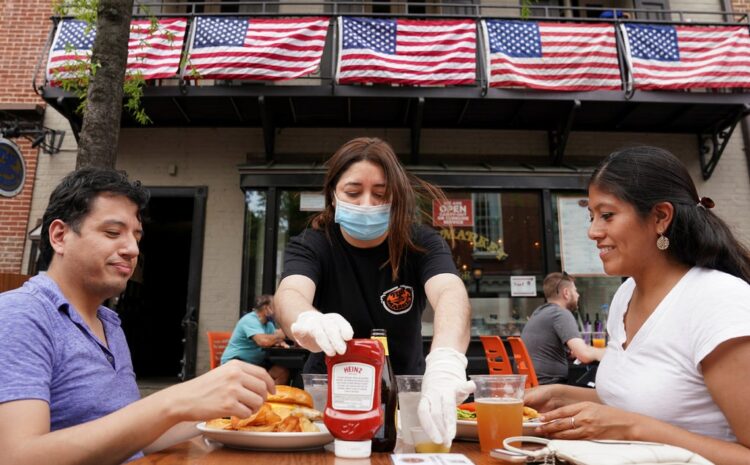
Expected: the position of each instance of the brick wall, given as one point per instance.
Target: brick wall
(24, 26)
(741, 6)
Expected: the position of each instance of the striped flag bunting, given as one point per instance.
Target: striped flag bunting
(684, 57)
(154, 52)
(405, 51)
(552, 56)
(255, 48)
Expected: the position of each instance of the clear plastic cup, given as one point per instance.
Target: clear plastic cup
(317, 386)
(499, 402)
(424, 445)
(409, 392)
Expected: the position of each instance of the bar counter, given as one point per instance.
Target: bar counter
(196, 451)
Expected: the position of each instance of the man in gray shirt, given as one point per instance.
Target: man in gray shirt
(552, 331)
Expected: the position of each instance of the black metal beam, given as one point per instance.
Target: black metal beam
(416, 130)
(269, 132)
(462, 92)
(463, 112)
(237, 112)
(713, 142)
(558, 138)
(673, 118)
(254, 177)
(177, 105)
(407, 107)
(516, 113)
(292, 109)
(621, 118)
(268, 281)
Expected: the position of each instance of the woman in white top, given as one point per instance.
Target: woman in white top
(677, 366)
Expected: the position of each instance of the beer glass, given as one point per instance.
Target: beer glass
(499, 402)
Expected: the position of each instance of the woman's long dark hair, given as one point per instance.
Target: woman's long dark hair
(645, 176)
(402, 189)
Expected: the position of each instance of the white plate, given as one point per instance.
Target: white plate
(268, 441)
(467, 429)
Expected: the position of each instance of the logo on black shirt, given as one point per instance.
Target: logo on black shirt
(398, 299)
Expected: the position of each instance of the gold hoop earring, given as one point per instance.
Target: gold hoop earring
(662, 243)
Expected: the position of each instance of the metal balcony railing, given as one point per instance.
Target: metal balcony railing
(432, 9)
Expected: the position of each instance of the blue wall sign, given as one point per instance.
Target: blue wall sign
(12, 169)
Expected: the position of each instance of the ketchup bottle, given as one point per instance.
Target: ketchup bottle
(353, 413)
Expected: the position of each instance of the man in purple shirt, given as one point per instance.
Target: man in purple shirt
(67, 388)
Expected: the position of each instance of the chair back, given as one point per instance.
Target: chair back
(524, 365)
(497, 356)
(217, 342)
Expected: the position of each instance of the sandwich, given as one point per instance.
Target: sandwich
(288, 411)
(288, 400)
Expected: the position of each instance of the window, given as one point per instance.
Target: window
(223, 6)
(487, 219)
(655, 9)
(543, 8)
(254, 240)
(461, 7)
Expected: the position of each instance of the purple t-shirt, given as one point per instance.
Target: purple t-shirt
(48, 352)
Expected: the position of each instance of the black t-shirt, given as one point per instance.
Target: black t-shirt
(357, 284)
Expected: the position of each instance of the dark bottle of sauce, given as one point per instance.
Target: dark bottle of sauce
(385, 437)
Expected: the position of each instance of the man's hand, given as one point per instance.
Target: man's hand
(235, 388)
(326, 332)
(444, 386)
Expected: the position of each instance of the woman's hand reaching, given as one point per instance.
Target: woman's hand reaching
(588, 420)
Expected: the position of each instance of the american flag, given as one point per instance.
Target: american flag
(552, 56)
(683, 57)
(155, 54)
(256, 48)
(403, 51)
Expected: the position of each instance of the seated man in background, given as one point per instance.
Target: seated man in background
(68, 393)
(552, 330)
(253, 334)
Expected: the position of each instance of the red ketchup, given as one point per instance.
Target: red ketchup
(353, 413)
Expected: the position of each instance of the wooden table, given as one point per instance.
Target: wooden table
(196, 451)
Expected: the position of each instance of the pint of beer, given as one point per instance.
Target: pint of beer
(499, 401)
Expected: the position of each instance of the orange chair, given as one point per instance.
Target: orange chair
(217, 342)
(497, 356)
(524, 365)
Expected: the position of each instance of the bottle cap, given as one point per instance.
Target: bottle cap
(352, 449)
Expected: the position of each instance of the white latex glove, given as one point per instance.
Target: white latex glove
(327, 332)
(444, 387)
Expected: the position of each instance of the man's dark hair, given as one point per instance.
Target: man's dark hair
(71, 200)
(263, 300)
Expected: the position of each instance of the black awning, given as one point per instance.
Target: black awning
(711, 116)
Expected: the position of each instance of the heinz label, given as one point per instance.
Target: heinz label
(352, 386)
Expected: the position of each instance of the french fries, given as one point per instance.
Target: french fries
(267, 420)
(529, 413)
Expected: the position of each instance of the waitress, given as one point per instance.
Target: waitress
(367, 263)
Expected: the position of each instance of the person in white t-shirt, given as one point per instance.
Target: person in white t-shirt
(677, 368)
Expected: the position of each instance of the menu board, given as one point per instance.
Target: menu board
(578, 253)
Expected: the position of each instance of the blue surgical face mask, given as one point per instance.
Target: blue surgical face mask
(363, 222)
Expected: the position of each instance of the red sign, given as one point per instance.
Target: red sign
(452, 212)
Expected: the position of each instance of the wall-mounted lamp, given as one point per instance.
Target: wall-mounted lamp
(49, 140)
(477, 274)
(465, 275)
